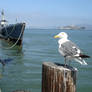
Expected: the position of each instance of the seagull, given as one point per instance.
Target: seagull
(69, 50)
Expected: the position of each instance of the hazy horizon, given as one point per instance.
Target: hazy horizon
(48, 13)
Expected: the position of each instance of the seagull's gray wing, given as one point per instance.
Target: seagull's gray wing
(69, 49)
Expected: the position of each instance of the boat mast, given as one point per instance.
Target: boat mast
(3, 21)
(2, 15)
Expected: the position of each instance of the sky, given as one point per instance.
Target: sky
(48, 13)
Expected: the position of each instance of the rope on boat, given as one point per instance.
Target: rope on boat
(16, 41)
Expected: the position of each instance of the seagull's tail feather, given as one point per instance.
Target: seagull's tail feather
(84, 56)
(81, 61)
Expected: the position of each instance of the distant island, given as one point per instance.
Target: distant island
(72, 27)
(67, 27)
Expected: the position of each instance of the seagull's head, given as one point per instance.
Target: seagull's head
(61, 35)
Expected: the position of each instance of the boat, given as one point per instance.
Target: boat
(11, 32)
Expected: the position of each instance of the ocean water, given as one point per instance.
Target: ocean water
(24, 72)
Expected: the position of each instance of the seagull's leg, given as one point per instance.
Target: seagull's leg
(69, 62)
(65, 61)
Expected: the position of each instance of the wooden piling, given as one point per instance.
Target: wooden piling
(58, 78)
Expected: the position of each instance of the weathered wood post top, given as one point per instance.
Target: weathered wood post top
(58, 78)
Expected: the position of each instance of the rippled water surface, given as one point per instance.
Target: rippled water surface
(24, 72)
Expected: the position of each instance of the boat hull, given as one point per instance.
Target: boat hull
(13, 33)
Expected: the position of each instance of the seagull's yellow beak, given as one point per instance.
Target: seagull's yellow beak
(56, 36)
